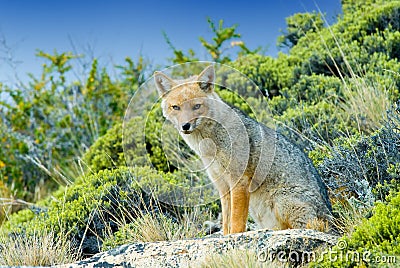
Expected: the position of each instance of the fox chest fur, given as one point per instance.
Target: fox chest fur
(227, 148)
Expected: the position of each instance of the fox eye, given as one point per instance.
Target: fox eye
(196, 106)
(176, 107)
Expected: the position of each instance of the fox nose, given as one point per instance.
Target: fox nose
(186, 126)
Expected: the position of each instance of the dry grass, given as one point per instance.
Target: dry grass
(5, 207)
(4, 211)
(39, 249)
(150, 225)
(153, 227)
(318, 225)
(367, 103)
(349, 215)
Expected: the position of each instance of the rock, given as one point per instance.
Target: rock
(294, 246)
(211, 227)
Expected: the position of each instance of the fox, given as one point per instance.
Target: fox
(255, 169)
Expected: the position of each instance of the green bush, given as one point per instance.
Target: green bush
(88, 209)
(298, 25)
(106, 152)
(309, 125)
(141, 149)
(340, 48)
(362, 166)
(177, 184)
(97, 205)
(375, 239)
(324, 64)
(47, 124)
(310, 109)
(269, 74)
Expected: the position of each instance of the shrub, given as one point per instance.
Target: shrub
(47, 124)
(307, 125)
(374, 239)
(174, 187)
(365, 167)
(141, 149)
(269, 74)
(298, 25)
(86, 209)
(340, 49)
(106, 152)
(98, 205)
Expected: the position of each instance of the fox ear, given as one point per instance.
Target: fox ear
(206, 79)
(163, 83)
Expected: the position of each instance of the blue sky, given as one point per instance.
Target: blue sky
(116, 29)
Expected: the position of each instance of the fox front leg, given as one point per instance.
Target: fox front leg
(226, 212)
(240, 198)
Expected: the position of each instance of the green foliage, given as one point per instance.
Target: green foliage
(132, 74)
(49, 123)
(106, 152)
(98, 205)
(308, 105)
(87, 208)
(314, 89)
(310, 109)
(342, 50)
(17, 219)
(59, 65)
(361, 166)
(374, 239)
(333, 80)
(215, 48)
(235, 100)
(298, 25)
(269, 74)
(309, 124)
(222, 35)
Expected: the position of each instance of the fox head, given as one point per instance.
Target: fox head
(186, 103)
